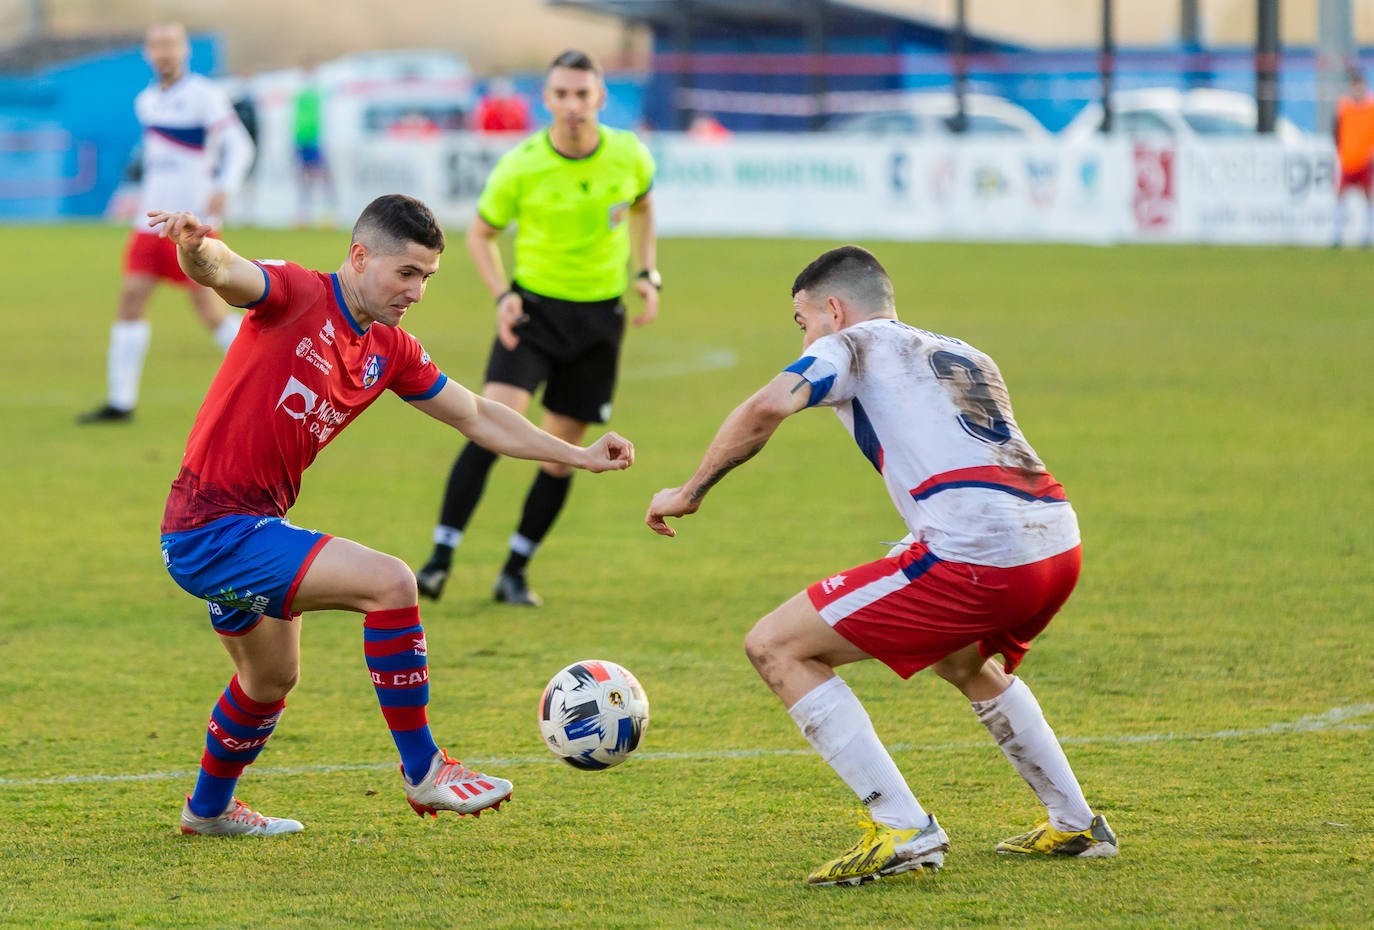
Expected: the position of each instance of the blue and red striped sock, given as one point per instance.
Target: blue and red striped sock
(394, 643)
(238, 730)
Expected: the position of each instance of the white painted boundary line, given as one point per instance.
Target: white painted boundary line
(659, 362)
(1333, 719)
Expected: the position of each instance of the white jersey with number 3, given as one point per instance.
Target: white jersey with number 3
(193, 145)
(931, 414)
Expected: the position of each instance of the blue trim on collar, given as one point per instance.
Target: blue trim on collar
(343, 305)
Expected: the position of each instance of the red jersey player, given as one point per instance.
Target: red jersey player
(314, 351)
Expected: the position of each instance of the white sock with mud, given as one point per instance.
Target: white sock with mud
(838, 728)
(1018, 725)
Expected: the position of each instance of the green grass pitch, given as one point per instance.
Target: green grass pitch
(1209, 410)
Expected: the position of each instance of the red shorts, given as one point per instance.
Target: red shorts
(1362, 179)
(915, 609)
(151, 254)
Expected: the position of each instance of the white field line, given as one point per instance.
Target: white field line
(1334, 719)
(660, 363)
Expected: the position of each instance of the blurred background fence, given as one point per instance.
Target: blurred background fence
(916, 119)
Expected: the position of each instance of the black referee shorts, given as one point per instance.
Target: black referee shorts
(572, 348)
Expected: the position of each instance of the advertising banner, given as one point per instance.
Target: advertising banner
(1260, 191)
(1243, 191)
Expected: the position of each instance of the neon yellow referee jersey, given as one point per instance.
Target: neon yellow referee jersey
(572, 241)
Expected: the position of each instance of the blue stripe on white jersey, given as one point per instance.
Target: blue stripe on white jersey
(866, 436)
(1057, 498)
(193, 137)
(819, 372)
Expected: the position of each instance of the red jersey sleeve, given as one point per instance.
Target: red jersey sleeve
(417, 377)
(285, 285)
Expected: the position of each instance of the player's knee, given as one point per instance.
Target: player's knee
(761, 646)
(394, 584)
(270, 684)
(972, 673)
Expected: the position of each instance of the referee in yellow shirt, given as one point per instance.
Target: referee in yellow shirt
(578, 193)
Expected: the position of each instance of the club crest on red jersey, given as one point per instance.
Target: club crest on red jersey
(372, 370)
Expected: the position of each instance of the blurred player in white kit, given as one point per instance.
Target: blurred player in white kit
(196, 154)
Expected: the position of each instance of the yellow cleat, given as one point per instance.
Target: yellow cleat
(884, 851)
(1096, 842)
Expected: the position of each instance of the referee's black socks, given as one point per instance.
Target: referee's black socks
(466, 481)
(542, 506)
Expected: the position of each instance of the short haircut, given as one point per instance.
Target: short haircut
(172, 27)
(578, 61)
(391, 222)
(851, 271)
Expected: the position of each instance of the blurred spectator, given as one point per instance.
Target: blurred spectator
(704, 127)
(502, 109)
(312, 171)
(413, 124)
(1355, 150)
(247, 110)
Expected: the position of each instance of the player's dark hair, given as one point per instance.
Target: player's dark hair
(391, 222)
(578, 61)
(851, 270)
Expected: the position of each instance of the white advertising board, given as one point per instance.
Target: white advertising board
(1100, 191)
(1234, 191)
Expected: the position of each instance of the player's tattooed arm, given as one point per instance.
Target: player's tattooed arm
(207, 267)
(213, 264)
(740, 437)
(713, 479)
(747, 430)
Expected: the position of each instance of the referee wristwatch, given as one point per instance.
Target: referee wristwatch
(652, 276)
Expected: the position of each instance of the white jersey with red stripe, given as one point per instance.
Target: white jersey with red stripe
(931, 414)
(193, 145)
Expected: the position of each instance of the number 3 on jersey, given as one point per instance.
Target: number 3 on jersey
(979, 414)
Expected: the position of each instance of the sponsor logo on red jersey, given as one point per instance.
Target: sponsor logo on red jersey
(320, 417)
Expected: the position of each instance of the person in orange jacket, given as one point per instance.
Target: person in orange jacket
(1354, 131)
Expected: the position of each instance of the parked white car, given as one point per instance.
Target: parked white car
(1166, 112)
(933, 113)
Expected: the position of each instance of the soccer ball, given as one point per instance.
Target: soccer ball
(593, 714)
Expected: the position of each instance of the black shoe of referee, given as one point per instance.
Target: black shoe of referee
(430, 579)
(512, 589)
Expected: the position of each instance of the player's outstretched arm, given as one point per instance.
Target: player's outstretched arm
(208, 261)
(741, 437)
(497, 428)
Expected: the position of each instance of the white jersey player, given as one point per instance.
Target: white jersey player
(196, 151)
(992, 554)
(196, 154)
(932, 415)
